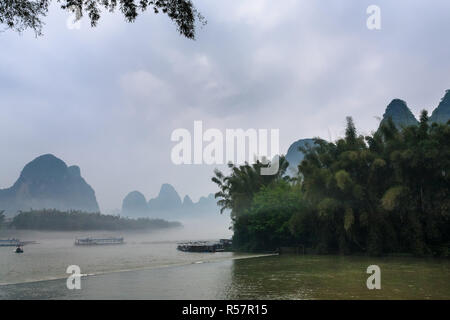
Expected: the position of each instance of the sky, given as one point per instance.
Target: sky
(108, 98)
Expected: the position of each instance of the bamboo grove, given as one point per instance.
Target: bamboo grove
(386, 193)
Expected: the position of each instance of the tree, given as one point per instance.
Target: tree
(419, 186)
(20, 15)
(383, 193)
(336, 177)
(237, 190)
(52, 219)
(267, 224)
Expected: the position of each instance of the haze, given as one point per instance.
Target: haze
(107, 99)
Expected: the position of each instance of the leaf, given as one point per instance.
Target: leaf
(391, 198)
(349, 218)
(342, 179)
(327, 205)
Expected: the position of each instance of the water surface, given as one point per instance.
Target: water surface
(146, 268)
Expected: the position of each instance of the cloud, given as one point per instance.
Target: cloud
(264, 14)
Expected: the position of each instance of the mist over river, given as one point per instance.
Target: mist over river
(148, 266)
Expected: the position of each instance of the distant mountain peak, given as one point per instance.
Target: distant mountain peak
(187, 201)
(401, 115)
(134, 204)
(168, 205)
(167, 188)
(43, 166)
(167, 199)
(168, 193)
(47, 157)
(48, 183)
(442, 113)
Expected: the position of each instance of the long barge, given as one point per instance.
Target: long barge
(204, 246)
(14, 242)
(9, 242)
(98, 241)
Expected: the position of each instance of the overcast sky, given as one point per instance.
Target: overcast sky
(107, 99)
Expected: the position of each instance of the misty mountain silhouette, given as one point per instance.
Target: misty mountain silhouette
(400, 114)
(48, 183)
(442, 113)
(168, 205)
(187, 202)
(294, 156)
(135, 204)
(167, 200)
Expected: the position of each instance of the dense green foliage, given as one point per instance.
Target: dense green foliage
(238, 189)
(77, 220)
(384, 193)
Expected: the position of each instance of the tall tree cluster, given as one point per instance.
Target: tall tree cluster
(378, 194)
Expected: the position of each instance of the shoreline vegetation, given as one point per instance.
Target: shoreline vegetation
(55, 220)
(379, 195)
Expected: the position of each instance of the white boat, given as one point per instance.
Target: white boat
(9, 242)
(98, 241)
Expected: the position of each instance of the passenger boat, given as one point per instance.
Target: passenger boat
(9, 242)
(98, 241)
(14, 242)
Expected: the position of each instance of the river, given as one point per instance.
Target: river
(148, 266)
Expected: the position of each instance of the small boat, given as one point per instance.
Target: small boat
(18, 250)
